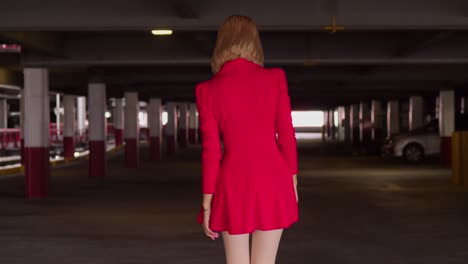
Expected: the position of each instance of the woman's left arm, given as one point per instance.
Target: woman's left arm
(210, 141)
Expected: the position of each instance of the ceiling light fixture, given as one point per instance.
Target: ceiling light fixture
(161, 32)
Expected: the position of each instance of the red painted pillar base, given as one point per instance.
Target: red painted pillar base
(97, 159)
(131, 153)
(367, 135)
(22, 151)
(182, 137)
(355, 136)
(155, 149)
(333, 132)
(446, 151)
(37, 170)
(192, 136)
(170, 145)
(118, 134)
(68, 147)
(377, 135)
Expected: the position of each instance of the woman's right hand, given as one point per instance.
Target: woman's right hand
(295, 186)
(297, 197)
(206, 225)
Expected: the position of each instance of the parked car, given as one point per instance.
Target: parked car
(415, 145)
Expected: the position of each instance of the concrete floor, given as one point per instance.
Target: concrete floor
(353, 209)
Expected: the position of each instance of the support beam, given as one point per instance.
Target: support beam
(155, 128)
(69, 126)
(326, 126)
(97, 130)
(342, 123)
(182, 130)
(446, 125)
(171, 128)
(331, 124)
(131, 130)
(377, 118)
(393, 118)
(365, 125)
(193, 123)
(36, 128)
(81, 126)
(354, 123)
(118, 118)
(22, 120)
(416, 112)
(3, 113)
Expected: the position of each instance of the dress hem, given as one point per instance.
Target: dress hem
(261, 229)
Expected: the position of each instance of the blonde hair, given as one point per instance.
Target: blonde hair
(237, 38)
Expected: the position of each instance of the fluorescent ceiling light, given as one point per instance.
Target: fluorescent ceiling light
(160, 32)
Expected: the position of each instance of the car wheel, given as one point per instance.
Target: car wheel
(413, 153)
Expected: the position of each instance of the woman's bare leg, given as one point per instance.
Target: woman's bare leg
(265, 246)
(236, 248)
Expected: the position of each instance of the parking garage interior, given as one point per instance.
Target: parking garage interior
(100, 153)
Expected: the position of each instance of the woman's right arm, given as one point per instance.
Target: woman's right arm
(283, 124)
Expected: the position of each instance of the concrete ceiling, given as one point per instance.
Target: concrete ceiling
(389, 49)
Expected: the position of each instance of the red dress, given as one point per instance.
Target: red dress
(246, 105)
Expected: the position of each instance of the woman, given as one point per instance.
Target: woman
(251, 188)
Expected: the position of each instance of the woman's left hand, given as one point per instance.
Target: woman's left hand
(206, 224)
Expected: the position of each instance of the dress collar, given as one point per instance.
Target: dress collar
(236, 63)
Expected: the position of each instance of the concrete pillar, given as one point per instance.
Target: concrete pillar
(155, 128)
(118, 118)
(377, 118)
(464, 105)
(365, 125)
(446, 125)
(354, 123)
(3, 113)
(183, 124)
(131, 129)
(81, 117)
(69, 126)
(404, 115)
(57, 116)
(193, 123)
(22, 125)
(346, 125)
(416, 112)
(97, 130)
(393, 118)
(171, 128)
(331, 123)
(326, 127)
(341, 123)
(36, 132)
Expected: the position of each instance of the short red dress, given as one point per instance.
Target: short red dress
(250, 176)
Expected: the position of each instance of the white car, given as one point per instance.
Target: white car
(415, 145)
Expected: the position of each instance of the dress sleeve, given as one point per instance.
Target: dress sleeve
(283, 123)
(210, 140)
